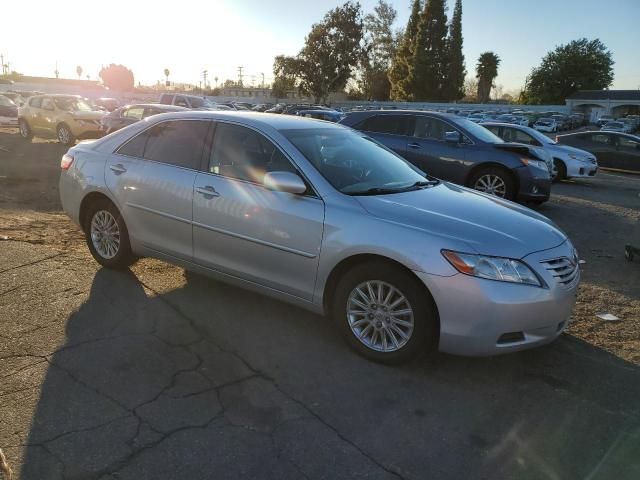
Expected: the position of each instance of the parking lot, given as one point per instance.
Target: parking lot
(160, 373)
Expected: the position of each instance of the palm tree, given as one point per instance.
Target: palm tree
(79, 71)
(486, 73)
(166, 74)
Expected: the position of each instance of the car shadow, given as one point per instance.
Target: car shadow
(160, 382)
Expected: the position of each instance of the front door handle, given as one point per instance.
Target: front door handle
(118, 168)
(207, 191)
(414, 145)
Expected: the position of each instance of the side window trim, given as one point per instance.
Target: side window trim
(311, 190)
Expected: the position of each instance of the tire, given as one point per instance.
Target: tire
(64, 134)
(421, 337)
(25, 129)
(103, 215)
(494, 181)
(561, 171)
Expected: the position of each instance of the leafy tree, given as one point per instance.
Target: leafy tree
(378, 51)
(429, 58)
(284, 76)
(455, 72)
(117, 77)
(331, 51)
(579, 65)
(486, 73)
(400, 73)
(79, 71)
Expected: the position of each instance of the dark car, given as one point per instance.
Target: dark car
(455, 149)
(8, 112)
(294, 109)
(617, 151)
(329, 115)
(121, 117)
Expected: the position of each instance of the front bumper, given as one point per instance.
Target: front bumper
(86, 130)
(484, 317)
(582, 170)
(533, 188)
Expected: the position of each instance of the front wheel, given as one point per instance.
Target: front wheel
(494, 181)
(65, 136)
(559, 171)
(385, 314)
(107, 236)
(25, 129)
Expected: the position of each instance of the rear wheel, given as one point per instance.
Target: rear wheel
(65, 136)
(384, 313)
(559, 171)
(25, 129)
(494, 181)
(107, 236)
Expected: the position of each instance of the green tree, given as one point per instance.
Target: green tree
(579, 65)
(331, 51)
(400, 72)
(117, 77)
(486, 73)
(429, 58)
(284, 72)
(455, 72)
(378, 52)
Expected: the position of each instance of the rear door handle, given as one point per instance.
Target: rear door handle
(207, 191)
(118, 168)
(413, 145)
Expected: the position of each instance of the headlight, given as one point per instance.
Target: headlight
(492, 268)
(535, 163)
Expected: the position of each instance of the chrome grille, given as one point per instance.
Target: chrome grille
(565, 270)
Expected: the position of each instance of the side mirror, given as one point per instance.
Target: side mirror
(284, 182)
(453, 137)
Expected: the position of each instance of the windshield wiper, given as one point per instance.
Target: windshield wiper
(382, 191)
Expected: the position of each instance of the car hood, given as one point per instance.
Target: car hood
(489, 225)
(88, 115)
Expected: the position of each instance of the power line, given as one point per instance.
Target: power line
(240, 75)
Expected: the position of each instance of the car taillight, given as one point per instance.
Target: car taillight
(66, 161)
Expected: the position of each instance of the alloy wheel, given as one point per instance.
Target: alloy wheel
(380, 316)
(24, 129)
(491, 184)
(64, 135)
(105, 234)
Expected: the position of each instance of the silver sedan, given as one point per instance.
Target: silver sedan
(322, 216)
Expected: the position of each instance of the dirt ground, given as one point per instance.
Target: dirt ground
(600, 215)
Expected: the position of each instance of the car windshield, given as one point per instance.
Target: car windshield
(478, 131)
(72, 105)
(198, 102)
(6, 102)
(355, 164)
(542, 138)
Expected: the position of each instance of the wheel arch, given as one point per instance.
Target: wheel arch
(485, 165)
(352, 261)
(90, 199)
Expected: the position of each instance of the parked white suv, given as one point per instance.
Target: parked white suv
(548, 125)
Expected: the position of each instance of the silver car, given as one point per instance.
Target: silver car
(322, 216)
(567, 162)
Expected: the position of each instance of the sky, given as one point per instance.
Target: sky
(221, 35)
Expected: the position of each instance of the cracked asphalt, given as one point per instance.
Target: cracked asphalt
(157, 373)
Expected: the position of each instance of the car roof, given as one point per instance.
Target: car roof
(256, 119)
(157, 105)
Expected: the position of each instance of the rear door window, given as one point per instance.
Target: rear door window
(166, 99)
(600, 138)
(35, 102)
(390, 124)
(180, 143)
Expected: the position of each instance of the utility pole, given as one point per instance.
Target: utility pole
(204, 78)
(240, 76)
(262, 79)
(57, 72)
(2, 65)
